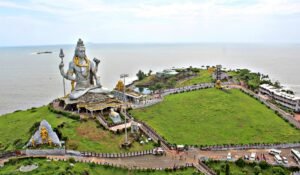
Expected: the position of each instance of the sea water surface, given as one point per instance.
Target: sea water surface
(28, 79)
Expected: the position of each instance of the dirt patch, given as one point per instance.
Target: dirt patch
(297, 117)
(89, 131)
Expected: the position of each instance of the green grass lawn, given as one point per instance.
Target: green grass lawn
(146, 81)
(87, 136)
(84, 136)
(16, 125)
(60, 168)
(204, 76)
(247, 169)
(211, 116)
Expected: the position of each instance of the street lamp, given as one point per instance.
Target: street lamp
(61, 56)
(124, 101)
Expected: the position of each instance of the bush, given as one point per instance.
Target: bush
(264, 165)
(257, 169)
(58, 132)
(64, 113)
(278, 171)
(240, 163)
(227, 169)
(72, 160)
(73, 146)
(34, 128)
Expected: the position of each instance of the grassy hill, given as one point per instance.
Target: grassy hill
(16, 130)
(211, 116)
(203, 76)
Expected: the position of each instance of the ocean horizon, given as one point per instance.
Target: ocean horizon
(29, 79)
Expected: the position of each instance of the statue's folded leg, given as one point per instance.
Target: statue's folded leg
(74, 95)
(100, 90)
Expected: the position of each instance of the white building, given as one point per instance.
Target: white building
(288, 100)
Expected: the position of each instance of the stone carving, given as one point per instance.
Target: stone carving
(85, 71)
(44, 135)
(115, 117)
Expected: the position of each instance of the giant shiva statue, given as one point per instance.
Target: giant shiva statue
(85, 71)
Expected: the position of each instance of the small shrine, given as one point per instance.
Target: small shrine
(44, 136)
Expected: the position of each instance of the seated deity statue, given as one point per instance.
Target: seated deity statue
(82, 72)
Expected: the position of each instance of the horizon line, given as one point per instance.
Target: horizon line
(151, 43)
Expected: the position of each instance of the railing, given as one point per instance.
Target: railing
(102, 121)
(187, 88)
(7, 154)
(117, 155)
(151, 133)
(205, 169)
(281, 112)
(249, 146)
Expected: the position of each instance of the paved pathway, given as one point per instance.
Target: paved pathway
(121, 126)
(174, 158)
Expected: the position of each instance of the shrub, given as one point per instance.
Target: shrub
(72, 160)
(264, 165)
(240, 163)
(58, 132)
(278, 171)
(34, 127)
(64, 113)
(227, 169)
(73, 146)
(257, 169)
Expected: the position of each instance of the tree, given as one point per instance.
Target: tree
(240, 163)
(158, 86)
(257, 170)
(72, 160)
(141, 75)
(278, 171)
(171, 83)
(150, 72)
(227, 169)
(277, 84)
(264, 165)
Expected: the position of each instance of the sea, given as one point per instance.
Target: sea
(30, 80)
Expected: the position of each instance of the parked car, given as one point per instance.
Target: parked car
(284, 160)
(229, 156)
(278, 159)
(252, 157)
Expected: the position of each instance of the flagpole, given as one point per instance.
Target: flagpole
(62, 55)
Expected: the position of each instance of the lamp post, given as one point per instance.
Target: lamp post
(124, 99)
(61, 56)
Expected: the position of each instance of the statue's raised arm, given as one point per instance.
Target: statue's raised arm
(69, 74)
(95, 74)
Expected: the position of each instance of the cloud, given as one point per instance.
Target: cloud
(172, 9)
(170, 20)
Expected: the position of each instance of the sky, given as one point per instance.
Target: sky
(47, 22)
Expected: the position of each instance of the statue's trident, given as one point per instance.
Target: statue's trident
(61, 56)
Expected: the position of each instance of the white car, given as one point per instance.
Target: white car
(284, 160)
(229, 156)
(252, 157)
(278, 159)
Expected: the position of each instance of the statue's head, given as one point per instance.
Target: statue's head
(80, 49)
